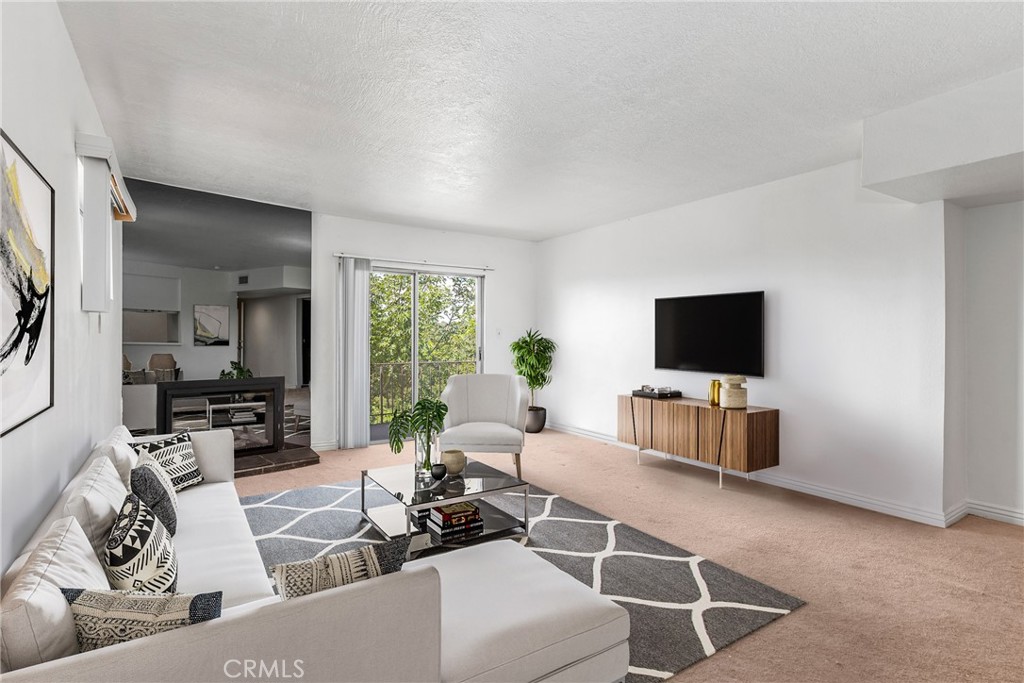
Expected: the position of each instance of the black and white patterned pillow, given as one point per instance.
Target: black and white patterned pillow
(154, 488)
(176, 456)
(139, 554)
(105, 618)
(320, 573)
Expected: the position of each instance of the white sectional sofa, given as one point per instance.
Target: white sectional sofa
(491, 612)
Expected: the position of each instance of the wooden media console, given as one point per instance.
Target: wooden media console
(742, 440)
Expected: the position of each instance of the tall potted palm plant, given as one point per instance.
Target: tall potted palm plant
(532, 355)
(423, 422)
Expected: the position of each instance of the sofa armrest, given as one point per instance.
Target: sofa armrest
(385, 629)
(215, 454)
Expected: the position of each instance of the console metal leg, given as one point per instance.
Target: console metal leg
(719, 477)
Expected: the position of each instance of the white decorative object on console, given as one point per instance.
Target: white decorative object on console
(732, 393)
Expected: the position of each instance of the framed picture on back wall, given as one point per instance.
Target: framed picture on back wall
(26, 289)
(210, 325)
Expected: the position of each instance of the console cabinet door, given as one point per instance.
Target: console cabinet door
(684, 430)
(625, 421)
(635, 417)
(663, 433)
(710, 428)
(735, 442)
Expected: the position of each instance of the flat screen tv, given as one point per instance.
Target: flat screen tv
(721, 333)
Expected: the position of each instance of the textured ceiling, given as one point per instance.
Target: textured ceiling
(200, 230)
(519, 119)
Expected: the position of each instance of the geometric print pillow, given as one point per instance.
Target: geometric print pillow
(105, 617)
(154, 488)
(139, 553)
(175, 455)
(330, 571)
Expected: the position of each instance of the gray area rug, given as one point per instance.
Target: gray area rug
(682, 607)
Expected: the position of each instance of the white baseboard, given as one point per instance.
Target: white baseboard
(1000, 513)
(932, 518)
(954, 515)
(324, 446)
(597, 436)
(887, 507)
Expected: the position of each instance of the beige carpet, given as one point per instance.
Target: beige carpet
(886, 599)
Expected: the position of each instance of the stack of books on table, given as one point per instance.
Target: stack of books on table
(455, 522)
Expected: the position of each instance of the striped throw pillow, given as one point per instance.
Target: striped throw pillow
(176, 456)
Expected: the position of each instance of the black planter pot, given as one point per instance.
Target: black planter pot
(535, 419)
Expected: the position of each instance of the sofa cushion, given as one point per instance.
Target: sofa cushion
(215, 547)
(117, 448)
(37, 622)
(539, 618)
(482, 434)
(139, 553)
(215, 453)
(175, 455)
(294, 579)
(96, 501)
(109, 617)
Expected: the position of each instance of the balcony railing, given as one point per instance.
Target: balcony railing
(391, 384)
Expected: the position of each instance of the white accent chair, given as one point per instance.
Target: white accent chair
(486, 414)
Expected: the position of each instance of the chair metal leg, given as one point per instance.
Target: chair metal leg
(519, 467)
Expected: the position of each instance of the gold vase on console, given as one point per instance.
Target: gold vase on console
(714, 390)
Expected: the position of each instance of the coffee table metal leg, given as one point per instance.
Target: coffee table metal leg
(526, 510)
(362, 493)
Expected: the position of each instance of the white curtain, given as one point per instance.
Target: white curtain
(354, 353)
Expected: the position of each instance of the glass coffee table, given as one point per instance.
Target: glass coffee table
(413, 493)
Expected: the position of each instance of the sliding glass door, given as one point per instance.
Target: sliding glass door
(424, 327)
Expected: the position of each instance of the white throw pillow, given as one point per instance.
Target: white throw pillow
(37, 622)
(96, 502)
(117, 448)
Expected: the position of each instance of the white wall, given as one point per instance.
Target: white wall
(994, 241)
(855, 311)
(508, 294)
(45, 101)
(272, 337)
(197, 287)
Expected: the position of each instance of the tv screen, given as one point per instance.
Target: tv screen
(721, 333)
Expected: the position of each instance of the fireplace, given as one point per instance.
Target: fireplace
(253, 409)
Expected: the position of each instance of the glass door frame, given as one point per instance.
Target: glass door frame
(414, 313)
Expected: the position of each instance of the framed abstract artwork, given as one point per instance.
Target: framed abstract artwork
(26, 289)
(210, 325)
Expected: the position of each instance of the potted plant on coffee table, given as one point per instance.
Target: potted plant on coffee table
(423, 422)
(532, 355)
